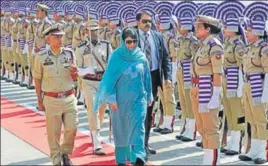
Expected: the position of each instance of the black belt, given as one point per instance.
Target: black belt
(14, 40)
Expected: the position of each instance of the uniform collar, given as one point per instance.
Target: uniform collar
(207, 39)
(52, 53)
(257, 43)
(232, 40)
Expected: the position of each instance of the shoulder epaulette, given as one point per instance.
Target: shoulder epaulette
(105, 41)
(82, 43)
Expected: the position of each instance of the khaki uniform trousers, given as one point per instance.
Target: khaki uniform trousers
(233, 109)
(10, 60)
(31, 60)
(3, 58)
(16, 56)
(58, 111)
(167, 98)
(89, 89)
(255, 115)
(184, 97)
(24, 63)
(207, 123)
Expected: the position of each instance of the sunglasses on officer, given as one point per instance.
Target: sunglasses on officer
(145, 21)
(131, 41)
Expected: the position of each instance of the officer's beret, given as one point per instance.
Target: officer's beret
(55, 29)
(209, 20)
(42, 7)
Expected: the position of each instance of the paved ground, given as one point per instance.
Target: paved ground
(15, 151)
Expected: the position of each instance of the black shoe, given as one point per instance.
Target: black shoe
(150, 150)
(23, 85)
(139, 162)
(30, 87)
(178, 137)
(166, 131)
(99, 152)
(244, 158)
(223, 150)
(16, 82)
(121, 164)
(80, 103)
(231, 152)
(66, 160)
(186, 139)
(3, 78)
(8, 80)
(199, 144)
(259, 161)
(157, 130)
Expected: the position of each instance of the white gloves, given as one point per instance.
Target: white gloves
(264, 98)
(240, 84)
(215, 99)
(174, 72)
(25, 50)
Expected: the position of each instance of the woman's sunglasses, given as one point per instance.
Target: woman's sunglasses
(131, 41)
(146, 21)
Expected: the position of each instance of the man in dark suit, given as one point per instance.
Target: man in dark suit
(154, 46)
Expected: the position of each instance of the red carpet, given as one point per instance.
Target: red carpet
(30, 127)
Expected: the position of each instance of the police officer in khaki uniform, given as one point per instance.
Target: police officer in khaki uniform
(183, 50)
(113, 31)
(103, 26)
(22, 47)
(92, 57)
(58, 16)
(206, 71)
(30, 36)
(2, 66)
(4, 52)
(78, 37)
(69, 28)
(54, 72)
(15, 47)
(234, 49)
(8, 45)
(40, 41)
(255, 88)
(8, 24)
(166, 95)
(79, 17)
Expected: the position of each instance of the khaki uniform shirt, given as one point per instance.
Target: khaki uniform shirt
(14, 34)
(234, 50)
(78, 34)
(69, 32)
(30, 35)
(8, 24)
(49, 68)
(208, 59)
(40, 40)
(184, 47)
(4, 33)
(113, 37)
(84, 58)
(22, 25)
(256, 58)
(102, 32)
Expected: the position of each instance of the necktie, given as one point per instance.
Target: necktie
(147, 49)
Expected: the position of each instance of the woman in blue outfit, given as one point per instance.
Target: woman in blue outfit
(126, 86)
